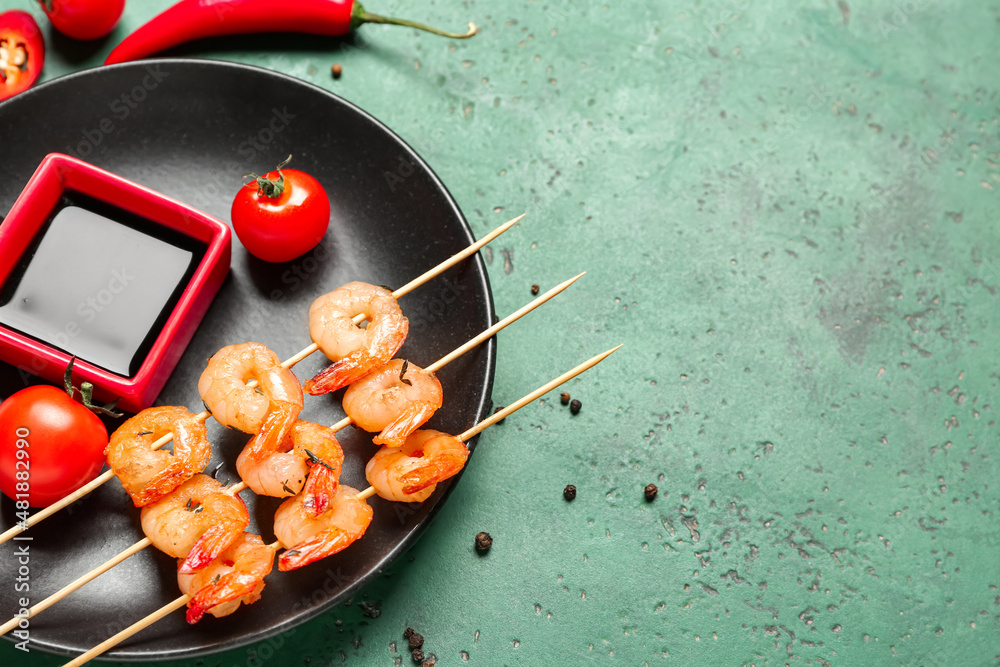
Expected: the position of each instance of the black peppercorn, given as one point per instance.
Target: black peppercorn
(574, 406)
(535, 288)
(416, 640)
(483, 542)
(569, 493)
(417, 655)
(651, 491)
(428, 663)
(564, 398)
(408, 633)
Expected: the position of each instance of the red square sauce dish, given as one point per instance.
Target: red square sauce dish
(116, 274)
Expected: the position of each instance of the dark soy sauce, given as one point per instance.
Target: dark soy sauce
(99, 282)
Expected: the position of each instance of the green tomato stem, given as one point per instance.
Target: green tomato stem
(270, 187)
(360, 16)
(86, 390)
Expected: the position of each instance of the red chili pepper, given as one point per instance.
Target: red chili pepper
(22, 52)
(196, 19)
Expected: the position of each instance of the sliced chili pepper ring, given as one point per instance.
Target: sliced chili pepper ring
(22, 52)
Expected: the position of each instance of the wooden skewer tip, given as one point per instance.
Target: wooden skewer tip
(541, 391)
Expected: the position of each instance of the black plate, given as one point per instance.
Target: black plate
(190, 129)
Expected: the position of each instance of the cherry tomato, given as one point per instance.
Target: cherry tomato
(22, 52)
(281, 215)
(50, 445)
(83, 19)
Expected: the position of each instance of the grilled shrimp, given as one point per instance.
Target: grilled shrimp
(395, 399)
(196, 521)
(310, 450)
(147, 474)
(235, 577)
(410, 473)
(223, 388)
(308, 538)
(354, 351)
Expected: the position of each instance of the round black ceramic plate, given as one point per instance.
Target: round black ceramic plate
(190, 129)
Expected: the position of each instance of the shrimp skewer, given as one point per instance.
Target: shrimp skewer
(347, 421)
(395, 399)
(288, 363)
(308, 538)
(354, 351)
(235, 577)
(149, 474)
(184, 599)
(400, 404)
(411, 473)
(224, 387)
(196, 522)
(310, 451)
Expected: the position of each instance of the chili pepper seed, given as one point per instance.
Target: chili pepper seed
(564, 398)
(569, 493)
(574, 406)
(337, 70)
(483, 542)
(651, 491)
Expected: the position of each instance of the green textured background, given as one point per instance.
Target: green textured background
(788, 214)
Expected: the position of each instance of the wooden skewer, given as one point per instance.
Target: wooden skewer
(485, 335)
(69, 588)
(83, 579)
(288, 363)
(183, 600)
(128, 632)
(140, 625)
(240, 486)
(420, 280)
(517, 405)
(541, 391)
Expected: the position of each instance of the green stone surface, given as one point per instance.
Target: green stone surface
(787, 212)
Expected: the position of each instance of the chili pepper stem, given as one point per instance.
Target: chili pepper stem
(359, 16)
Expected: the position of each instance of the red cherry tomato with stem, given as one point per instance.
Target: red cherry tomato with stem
(281, 215)
(22, 52)
(83, 19)
(50, 444)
